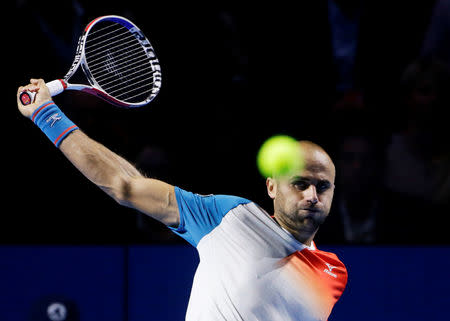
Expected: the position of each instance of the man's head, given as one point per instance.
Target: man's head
(302, 200)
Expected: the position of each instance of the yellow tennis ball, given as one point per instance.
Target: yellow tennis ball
(280, 156)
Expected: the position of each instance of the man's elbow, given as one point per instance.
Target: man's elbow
(122, 190)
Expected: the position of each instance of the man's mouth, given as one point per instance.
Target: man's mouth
(311, 210)
(310, 214)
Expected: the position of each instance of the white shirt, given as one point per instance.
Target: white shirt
(250, 268)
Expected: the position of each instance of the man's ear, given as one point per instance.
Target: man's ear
(271, 185)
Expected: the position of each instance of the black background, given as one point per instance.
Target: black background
(207, 123)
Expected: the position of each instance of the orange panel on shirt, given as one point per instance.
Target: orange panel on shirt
(319, 274)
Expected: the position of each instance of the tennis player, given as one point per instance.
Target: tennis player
(253, 266)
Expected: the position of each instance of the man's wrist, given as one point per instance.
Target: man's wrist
(53, 122)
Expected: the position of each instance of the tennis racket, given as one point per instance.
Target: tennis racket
(118, 61)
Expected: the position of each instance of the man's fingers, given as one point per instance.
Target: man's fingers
(38, 82)
(31, 87)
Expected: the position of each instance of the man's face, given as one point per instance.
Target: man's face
(302, 201)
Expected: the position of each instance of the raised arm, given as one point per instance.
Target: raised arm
(113, 174)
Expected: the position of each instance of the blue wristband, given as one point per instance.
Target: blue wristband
(52, 121)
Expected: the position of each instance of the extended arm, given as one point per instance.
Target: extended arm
(121, 180)
(113, 174)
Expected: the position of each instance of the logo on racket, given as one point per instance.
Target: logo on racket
(53, 118)
(25, 98)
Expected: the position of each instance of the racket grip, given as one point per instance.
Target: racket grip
(55, 87)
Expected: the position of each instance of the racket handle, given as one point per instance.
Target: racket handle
(55, 87)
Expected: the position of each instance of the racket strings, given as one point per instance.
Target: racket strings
(107, 41)
(109, 89)
(130, 91)
(124, 67)
(108, 77)
(93, 32)
(122, 58)
(119, 64)
(108, 45)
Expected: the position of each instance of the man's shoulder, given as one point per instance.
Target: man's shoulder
(221, 202)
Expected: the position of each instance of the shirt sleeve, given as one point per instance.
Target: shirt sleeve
(199, 214)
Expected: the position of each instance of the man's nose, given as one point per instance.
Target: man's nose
(311, 195)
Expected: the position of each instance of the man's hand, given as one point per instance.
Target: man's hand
(42, 95)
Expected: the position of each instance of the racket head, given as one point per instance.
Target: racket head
(119, 62)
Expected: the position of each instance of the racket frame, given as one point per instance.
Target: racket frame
(57, 86)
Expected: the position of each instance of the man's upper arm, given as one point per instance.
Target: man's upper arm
(189, 215)
(154, 198)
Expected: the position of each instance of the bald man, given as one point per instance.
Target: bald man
(253, 266)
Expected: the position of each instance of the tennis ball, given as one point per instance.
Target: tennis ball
(280, 156)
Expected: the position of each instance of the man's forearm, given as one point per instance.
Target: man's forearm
(100, 165)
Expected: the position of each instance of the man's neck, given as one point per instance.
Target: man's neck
(296, 234)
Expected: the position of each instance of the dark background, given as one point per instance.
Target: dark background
(379, 110)
(204, 129)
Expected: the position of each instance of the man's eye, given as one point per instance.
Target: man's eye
(301, 185)
(322, 187)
